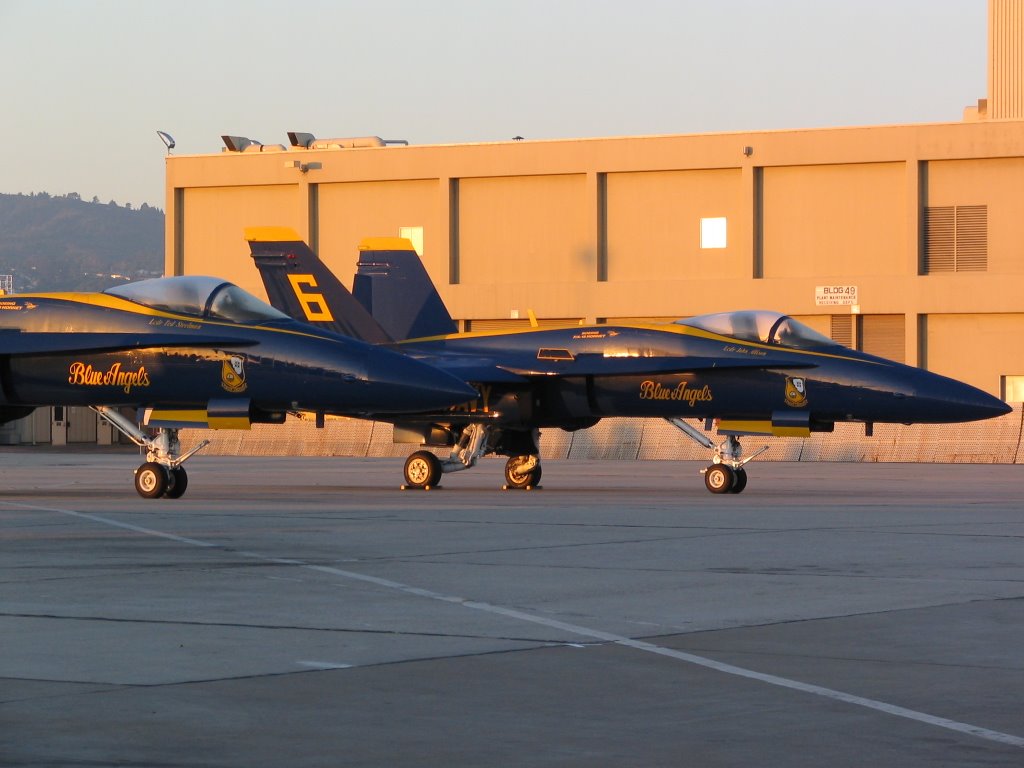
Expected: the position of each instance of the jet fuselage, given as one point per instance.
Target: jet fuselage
(578, 374)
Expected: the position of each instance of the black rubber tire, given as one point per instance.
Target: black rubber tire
(151, 480)
(719, 478)
(422, 470)
(517, 479)
(740, 482)
(178, 483)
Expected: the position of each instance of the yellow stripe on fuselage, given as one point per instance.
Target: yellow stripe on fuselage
(109, 301)
(765, 428)
(165, 414)
(196, 418)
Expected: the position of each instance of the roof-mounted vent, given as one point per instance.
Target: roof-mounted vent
(243, 144)
(299, 139)
(309, 141)
(238, 143)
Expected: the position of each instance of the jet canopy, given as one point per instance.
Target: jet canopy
(211, 298)
(762, 326)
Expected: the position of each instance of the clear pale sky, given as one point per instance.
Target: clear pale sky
(85, 85)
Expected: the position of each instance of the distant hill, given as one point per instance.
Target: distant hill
(67, 244)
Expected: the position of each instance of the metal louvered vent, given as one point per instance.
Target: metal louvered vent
(883, 335)
(971, 238)
(842, 330)
(940, 240)
(956, 239)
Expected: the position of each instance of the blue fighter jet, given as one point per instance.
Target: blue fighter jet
(200, 352)
(748, 372)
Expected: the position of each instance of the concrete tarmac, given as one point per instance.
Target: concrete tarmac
(307, 612)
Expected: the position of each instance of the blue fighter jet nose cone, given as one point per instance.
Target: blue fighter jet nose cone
(954, 401)
(417, 386)
(985, 406)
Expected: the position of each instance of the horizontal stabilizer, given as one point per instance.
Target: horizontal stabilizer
(476, 369)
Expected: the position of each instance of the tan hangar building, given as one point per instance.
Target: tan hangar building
(902, 240)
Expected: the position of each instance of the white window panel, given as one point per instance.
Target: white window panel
(713, 232)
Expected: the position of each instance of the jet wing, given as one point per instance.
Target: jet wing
(480, 369)
(14, 342)
(599, 365)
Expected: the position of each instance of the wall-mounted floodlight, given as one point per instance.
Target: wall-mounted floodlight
(167, 139)
(238, 143)
(303, 167)
(748, 151)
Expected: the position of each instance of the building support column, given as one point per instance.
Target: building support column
(174, 235)
(917, 196)
(749, 227)
(448, 225)
(597, 223)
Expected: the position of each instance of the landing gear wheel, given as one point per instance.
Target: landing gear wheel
(422, 470)
(719, 478)
(516, 477)
(151, 480)
(740, 482)
(178, 483)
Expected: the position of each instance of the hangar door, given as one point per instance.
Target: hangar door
(883, 335)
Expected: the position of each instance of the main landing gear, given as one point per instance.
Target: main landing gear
(162, 474)
(423, 469)
(522, 471)
(727, 473)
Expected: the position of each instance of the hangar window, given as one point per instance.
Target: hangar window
(1013, 389)
(713, 232)
(415, 235)
(956, 239)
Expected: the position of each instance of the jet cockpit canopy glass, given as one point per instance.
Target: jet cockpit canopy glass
(760, 325)
(207, 297)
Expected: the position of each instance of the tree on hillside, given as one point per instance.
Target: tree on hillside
(65, 243)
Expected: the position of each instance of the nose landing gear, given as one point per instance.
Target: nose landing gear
(162, 474)
(727, 473)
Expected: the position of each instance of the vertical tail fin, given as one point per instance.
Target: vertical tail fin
(394, 287)
(301, 286)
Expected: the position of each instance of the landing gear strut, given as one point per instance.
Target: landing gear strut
(423, 469)
(162, 474)
(727, 473)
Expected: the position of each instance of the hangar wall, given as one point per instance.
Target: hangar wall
(996, 441)
(923, 220)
